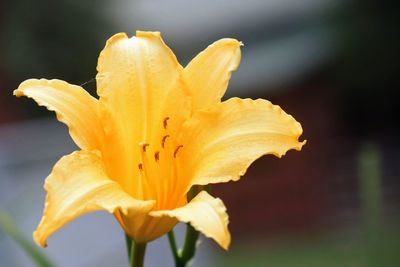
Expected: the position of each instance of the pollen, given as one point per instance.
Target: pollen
(163, 140)
(144, 146)
(157, 156)
(165, 122)
(177, 149)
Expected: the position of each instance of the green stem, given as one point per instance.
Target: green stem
(137, 254)
(135, 251)
(128, 246)
(172, 243)
(183, 256)
(189, 247)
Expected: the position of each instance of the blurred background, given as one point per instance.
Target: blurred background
(332, 64)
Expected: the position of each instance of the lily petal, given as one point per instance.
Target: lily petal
(138, 82)
(73, 106)
(207, 75)
(79, 185)
(135, 76)
(206, 214)
(222, 142)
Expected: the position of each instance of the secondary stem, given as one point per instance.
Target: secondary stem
(189, 247)
(183, 256)
(174, 248)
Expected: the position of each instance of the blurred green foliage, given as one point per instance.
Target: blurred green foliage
(365, 68)
(49, 39)
(374, 243)
(8, 226)
(53, 38)
(346, 251)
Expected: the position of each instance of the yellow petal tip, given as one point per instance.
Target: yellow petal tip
(39, 240)
(18, 93)
(230, 42)
(156, 34)
(226, 245)
(116, 37)
(301, 145)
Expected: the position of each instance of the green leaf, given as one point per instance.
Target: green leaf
(8, 226)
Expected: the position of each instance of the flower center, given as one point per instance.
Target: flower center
(158, 167)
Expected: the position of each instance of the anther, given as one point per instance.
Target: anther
(165, 122)
(144, 146)
(140, 166)
(163, 140)
(176, 150)
(157, 155)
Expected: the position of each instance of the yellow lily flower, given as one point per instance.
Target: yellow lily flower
(156, 130)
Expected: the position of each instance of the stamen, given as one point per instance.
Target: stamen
(144, 146)
(163, 140)
(176, 150)
(140, 166)
(157, 156)
(165, 122)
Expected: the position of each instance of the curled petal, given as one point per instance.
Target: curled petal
(206, 214)
(222, 142)
(207, 75)
(79, 185)
(73, 106)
